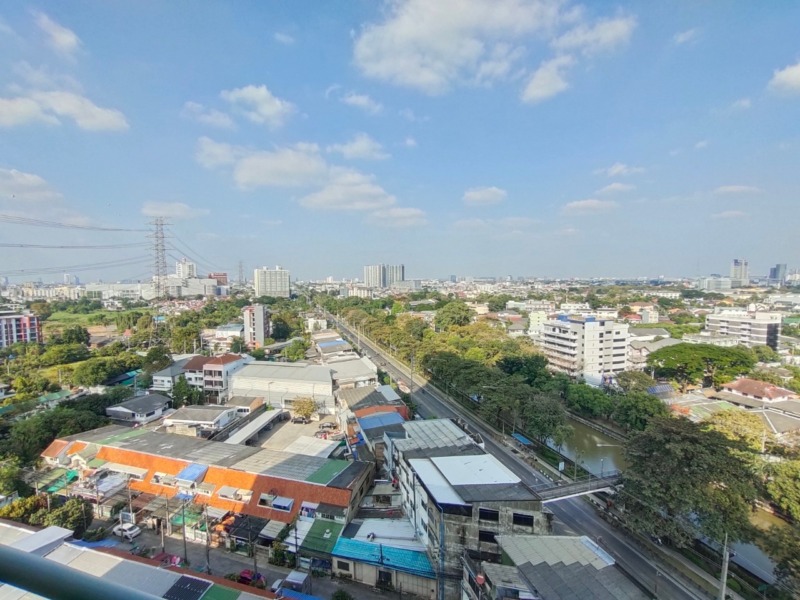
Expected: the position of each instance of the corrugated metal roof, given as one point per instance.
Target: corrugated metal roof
(399, 559)
(380, 420)
(193, 472)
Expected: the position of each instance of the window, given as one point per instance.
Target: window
(266, 500)
(486, 536)
(384, 578)
(485, 514)
(342, 565)
(523, 520)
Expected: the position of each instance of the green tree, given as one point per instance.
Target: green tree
(63, 354)
(701, 363)
(742, 427)
(634, 410)
(295, 351)
(589, 401)
(157, 358)
(784, 547)
(304, 407)
(238, 346)
(684, 480)
(766, 354)
(783, 486)
(635, 381)
(75, 335)
(183, 393)
(92, 372)
(11, 478)
(453, 314)
(75, 514)
(258, 353)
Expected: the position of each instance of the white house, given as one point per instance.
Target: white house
(140, 409)
(194, 419)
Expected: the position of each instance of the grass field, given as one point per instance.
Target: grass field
(60, 319)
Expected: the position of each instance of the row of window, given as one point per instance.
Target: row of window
(486, 514)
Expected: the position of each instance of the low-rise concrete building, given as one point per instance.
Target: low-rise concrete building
(140, 409)
(199, 420)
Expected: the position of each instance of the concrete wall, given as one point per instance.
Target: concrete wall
(401, 582)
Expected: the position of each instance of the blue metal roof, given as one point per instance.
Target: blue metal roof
(380, 420)
(331, 343)
(194, 472)
(400, 559)
(287, 593)
(661, 388)
(522, 439)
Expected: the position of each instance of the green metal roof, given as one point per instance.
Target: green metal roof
(219, 592)
(322, 537)
(327, 471)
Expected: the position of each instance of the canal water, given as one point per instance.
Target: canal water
(593, 450)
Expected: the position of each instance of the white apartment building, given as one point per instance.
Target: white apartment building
(740, 272)
(271, 282)
(714, 284)
(185, 269)
(256, 325)
(382, 276)
(748, 328)
(585, 346)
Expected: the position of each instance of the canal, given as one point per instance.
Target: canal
(593, 450)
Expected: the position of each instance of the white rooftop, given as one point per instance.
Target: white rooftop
(480, 469)
(395, 533)
(432, 433)
(285, 372)
(435, 482)
(311, 446)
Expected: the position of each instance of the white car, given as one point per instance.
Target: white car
(127, 531)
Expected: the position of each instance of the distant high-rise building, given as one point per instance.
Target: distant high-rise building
(221, 278)
(740, 273)
(185, 269)
(381, 276)
(256, 325)
(271, 282)
(777, 274)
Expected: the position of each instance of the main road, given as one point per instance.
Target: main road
(574, 516)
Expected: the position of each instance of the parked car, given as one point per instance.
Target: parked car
(276, 585)
(302, 420)
(328, 425)
(127, 531)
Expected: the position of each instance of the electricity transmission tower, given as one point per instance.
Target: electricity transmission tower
(241, 273)
(159, 257)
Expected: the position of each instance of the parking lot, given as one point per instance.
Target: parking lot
(286, 432)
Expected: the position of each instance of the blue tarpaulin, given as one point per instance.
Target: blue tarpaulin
(193, 472)
(522, 439)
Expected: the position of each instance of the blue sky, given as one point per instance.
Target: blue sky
(482, 137)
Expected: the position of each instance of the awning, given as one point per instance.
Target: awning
(128, 470)
(215, 513)
(227, 491)
(522, 439)
(193, 472)
(282, 503)
(272, 530)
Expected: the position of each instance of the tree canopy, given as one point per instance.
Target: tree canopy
(701, 363)
(453, 314)
(684, 480)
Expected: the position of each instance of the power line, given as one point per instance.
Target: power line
(16, 220)
(83, 267)
(90, 247)
(186, 246)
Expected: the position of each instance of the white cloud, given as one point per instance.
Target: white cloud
(410, 142)
(172, 210)
(604, 35)
(43, 79)
(684, 37)
(363, 102)
(430, 46)
(567, 231)
(548, 80)
(21, 111)
(701, 144)
(361, 146)
(19, 186)
(398, 217)
(259, 105)
(207, 116)
(86, 114)
(589, 206)
(62, 40)
(410, 116)
(616, 188)
(737, 189)
(741, 104)
(618, 169)
(786, 79)
(298, 166)
(349, 190)
(729, 214)
(211, 154)
(483, 196)
(283, 38)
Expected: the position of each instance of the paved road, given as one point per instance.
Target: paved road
(575, 515)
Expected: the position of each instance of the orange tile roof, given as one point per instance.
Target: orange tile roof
(55, 448)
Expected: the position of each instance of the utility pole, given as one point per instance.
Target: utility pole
(165, 525)
(208, 542)
(185, 548)
(724, 576)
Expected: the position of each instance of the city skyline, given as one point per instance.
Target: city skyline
(546, 139)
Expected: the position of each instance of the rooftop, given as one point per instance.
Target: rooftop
(408, 561)
(322, 536)
(433, 433)
(198, 413)
(143, 404)
(286, 372)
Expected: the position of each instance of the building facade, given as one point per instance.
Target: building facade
(19, 327)
(256, 325)
(185, 269)
(272, 282)
(383, 276)
(748, 328)
(585, 346)
(740, 272)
